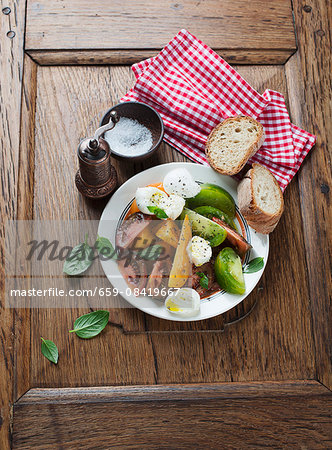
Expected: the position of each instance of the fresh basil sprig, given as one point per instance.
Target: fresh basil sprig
(105, 248)
(204, 281)
(79, 259)
(151, 253)
(50, 350)
(158, 212)
(254, 265)
(91, 324)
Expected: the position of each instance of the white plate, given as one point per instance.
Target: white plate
(211, 306)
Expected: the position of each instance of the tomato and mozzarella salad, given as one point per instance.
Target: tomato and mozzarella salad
(184, 243)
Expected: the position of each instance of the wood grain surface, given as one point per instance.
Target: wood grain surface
(118, 57)
(263, 31)
(12, 22)
(25, 197)
(309, 81)
(286, 333)
(284, 415)
(70, 102)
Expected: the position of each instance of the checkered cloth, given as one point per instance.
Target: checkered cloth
(194, 89)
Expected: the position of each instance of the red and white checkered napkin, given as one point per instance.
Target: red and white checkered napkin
(194, 89)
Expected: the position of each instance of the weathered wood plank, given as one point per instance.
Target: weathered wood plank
(65, 113)
(309, 82)
(232, 415)
(25, 186)
(12, 22)
(175, 392)
(264, 30)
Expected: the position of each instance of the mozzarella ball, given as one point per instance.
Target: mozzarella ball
(172, 205)
(148, 196)
(199, 251)
(185, 302)
(180, 182)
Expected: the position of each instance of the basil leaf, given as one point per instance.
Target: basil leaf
(79, 259)
(254, 265)
(204, 281)
(50, 350)
(91, 324)
(105, 248)
(151, 253)
(158, 212)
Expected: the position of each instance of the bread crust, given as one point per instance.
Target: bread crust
(259, 220)
(251, 150)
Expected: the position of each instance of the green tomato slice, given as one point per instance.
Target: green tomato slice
(211, 211)
(228, 271)
(205, 228)
(213, 195)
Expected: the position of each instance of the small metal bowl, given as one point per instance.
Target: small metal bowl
(146, 116)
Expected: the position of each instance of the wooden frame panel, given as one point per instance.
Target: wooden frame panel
(307, 83)
(187, 416)
(309, 79)
(12, 24)
(128, 31)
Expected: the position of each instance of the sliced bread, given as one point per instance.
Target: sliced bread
(232, 142)
(260, 199)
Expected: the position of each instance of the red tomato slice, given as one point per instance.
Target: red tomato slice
(134, 273)
(238, 241)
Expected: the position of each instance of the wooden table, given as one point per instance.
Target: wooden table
(259, 375)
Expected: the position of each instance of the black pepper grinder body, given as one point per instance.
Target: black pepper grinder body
(96, 177)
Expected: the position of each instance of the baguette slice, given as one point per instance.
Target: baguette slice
(232, 142)
(260, 199)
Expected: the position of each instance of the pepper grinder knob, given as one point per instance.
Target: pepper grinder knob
(96, 177)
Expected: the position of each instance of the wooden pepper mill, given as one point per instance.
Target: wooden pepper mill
(96, 177)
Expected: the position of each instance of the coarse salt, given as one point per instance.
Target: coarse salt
(129, 137)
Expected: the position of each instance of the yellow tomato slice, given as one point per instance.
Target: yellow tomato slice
(181, 268)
